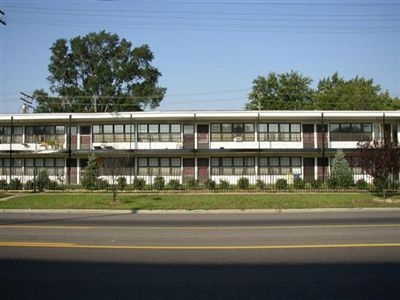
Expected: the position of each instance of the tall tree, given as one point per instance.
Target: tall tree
(335, 93)
(100, 72)
(286, 91)
(341, 173)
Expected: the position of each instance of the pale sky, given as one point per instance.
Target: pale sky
(209, 52)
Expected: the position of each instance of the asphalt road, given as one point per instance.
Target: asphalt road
(195, 256)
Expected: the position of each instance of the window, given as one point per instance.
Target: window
(5, 134)
(229, 132)
(113, 133)
(279, 165)
(159, 133)
(232, 166)
(156, 166)
(286, 132)
(45, 134)
(350, 132)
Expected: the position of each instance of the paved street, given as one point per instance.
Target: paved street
(247, 256)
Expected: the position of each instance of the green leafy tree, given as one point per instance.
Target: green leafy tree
(286, 91)
(336, 93)
(100, 72)
(92, 173)
(341, 173)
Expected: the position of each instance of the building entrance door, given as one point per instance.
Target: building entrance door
(202, 169)
(309, 169)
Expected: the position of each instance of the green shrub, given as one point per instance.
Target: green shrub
(260, 184)
(210, 184)
(192, 184)
(16, 184)
(361, 184)
(42, 180)
(316, 183)
(174, 184)
(223, 185)
(139, 183)
(101, 184)
(121, 183)
(299, 184)
(159, 183)
(332, 184)
(281, 184)
(243, 183)
(341, 174)
(3, 184)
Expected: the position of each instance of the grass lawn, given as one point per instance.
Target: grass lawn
(188, 201)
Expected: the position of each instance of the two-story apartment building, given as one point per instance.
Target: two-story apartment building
(185, 145)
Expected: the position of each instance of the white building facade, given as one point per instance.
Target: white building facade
(189, 145)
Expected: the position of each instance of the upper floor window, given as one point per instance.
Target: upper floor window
(159, 132)
(228, 132)
(5, 134)
(285, 132)
(44, 134)
(351, 132)
(113, 133)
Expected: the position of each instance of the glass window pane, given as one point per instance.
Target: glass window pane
(153, 128)
(226, 162)
(119, 128)
(249, 127)
(295, 127)
(175, 128)
(18, 130)
(263, 161)
(129, 128)
(237, 128)
(142, 128)
(29, 162)
(274, 161)
(49, 162)
(215, 161)
(367, 127)
(60, 162)
(142, 162)
(49, 129)
(153, 162)
(262, 127)
(284, 127)
(175, 162)
(60, 130)
(355, 127)
(238, 162)
(164, 162)
(227, 128)
(108, 128)
(273, 127)
(285, 161)
(334, 128)
(250, 162)
(97, 129)
(39, 162)
(216, 128)
(345, 127)
(85, 129)
(164, 128)
(296, 161)
(29, 130)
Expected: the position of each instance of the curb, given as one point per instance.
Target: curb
(218, 211)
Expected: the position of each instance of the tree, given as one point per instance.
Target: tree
(100, 72)
(341, 174)
(114, 167)
(92, 173)
(335, 93)
(381, 161)
(286, 91)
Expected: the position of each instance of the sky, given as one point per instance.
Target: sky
(209, 52)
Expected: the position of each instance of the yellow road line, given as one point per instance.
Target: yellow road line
(198, 227)
(160, 247)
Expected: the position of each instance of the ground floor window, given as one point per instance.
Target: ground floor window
(279, 165)
(232, 166)
(159, 166)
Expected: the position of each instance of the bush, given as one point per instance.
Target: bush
(174, 184)
(139, 183)
(159, 183)
(362, 184)
(210, 184)
(223, 185)
(101, 184)
(332, 183)
(42, 180)
(121, 183)
(341, 174)
(243, 183)
(3, 184)
(192, 184)
(260, 184)
(316, 184)
(281, 184)
(15, 184)
(299, 184)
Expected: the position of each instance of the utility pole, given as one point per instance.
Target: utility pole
(27, 103)
(1, 20)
